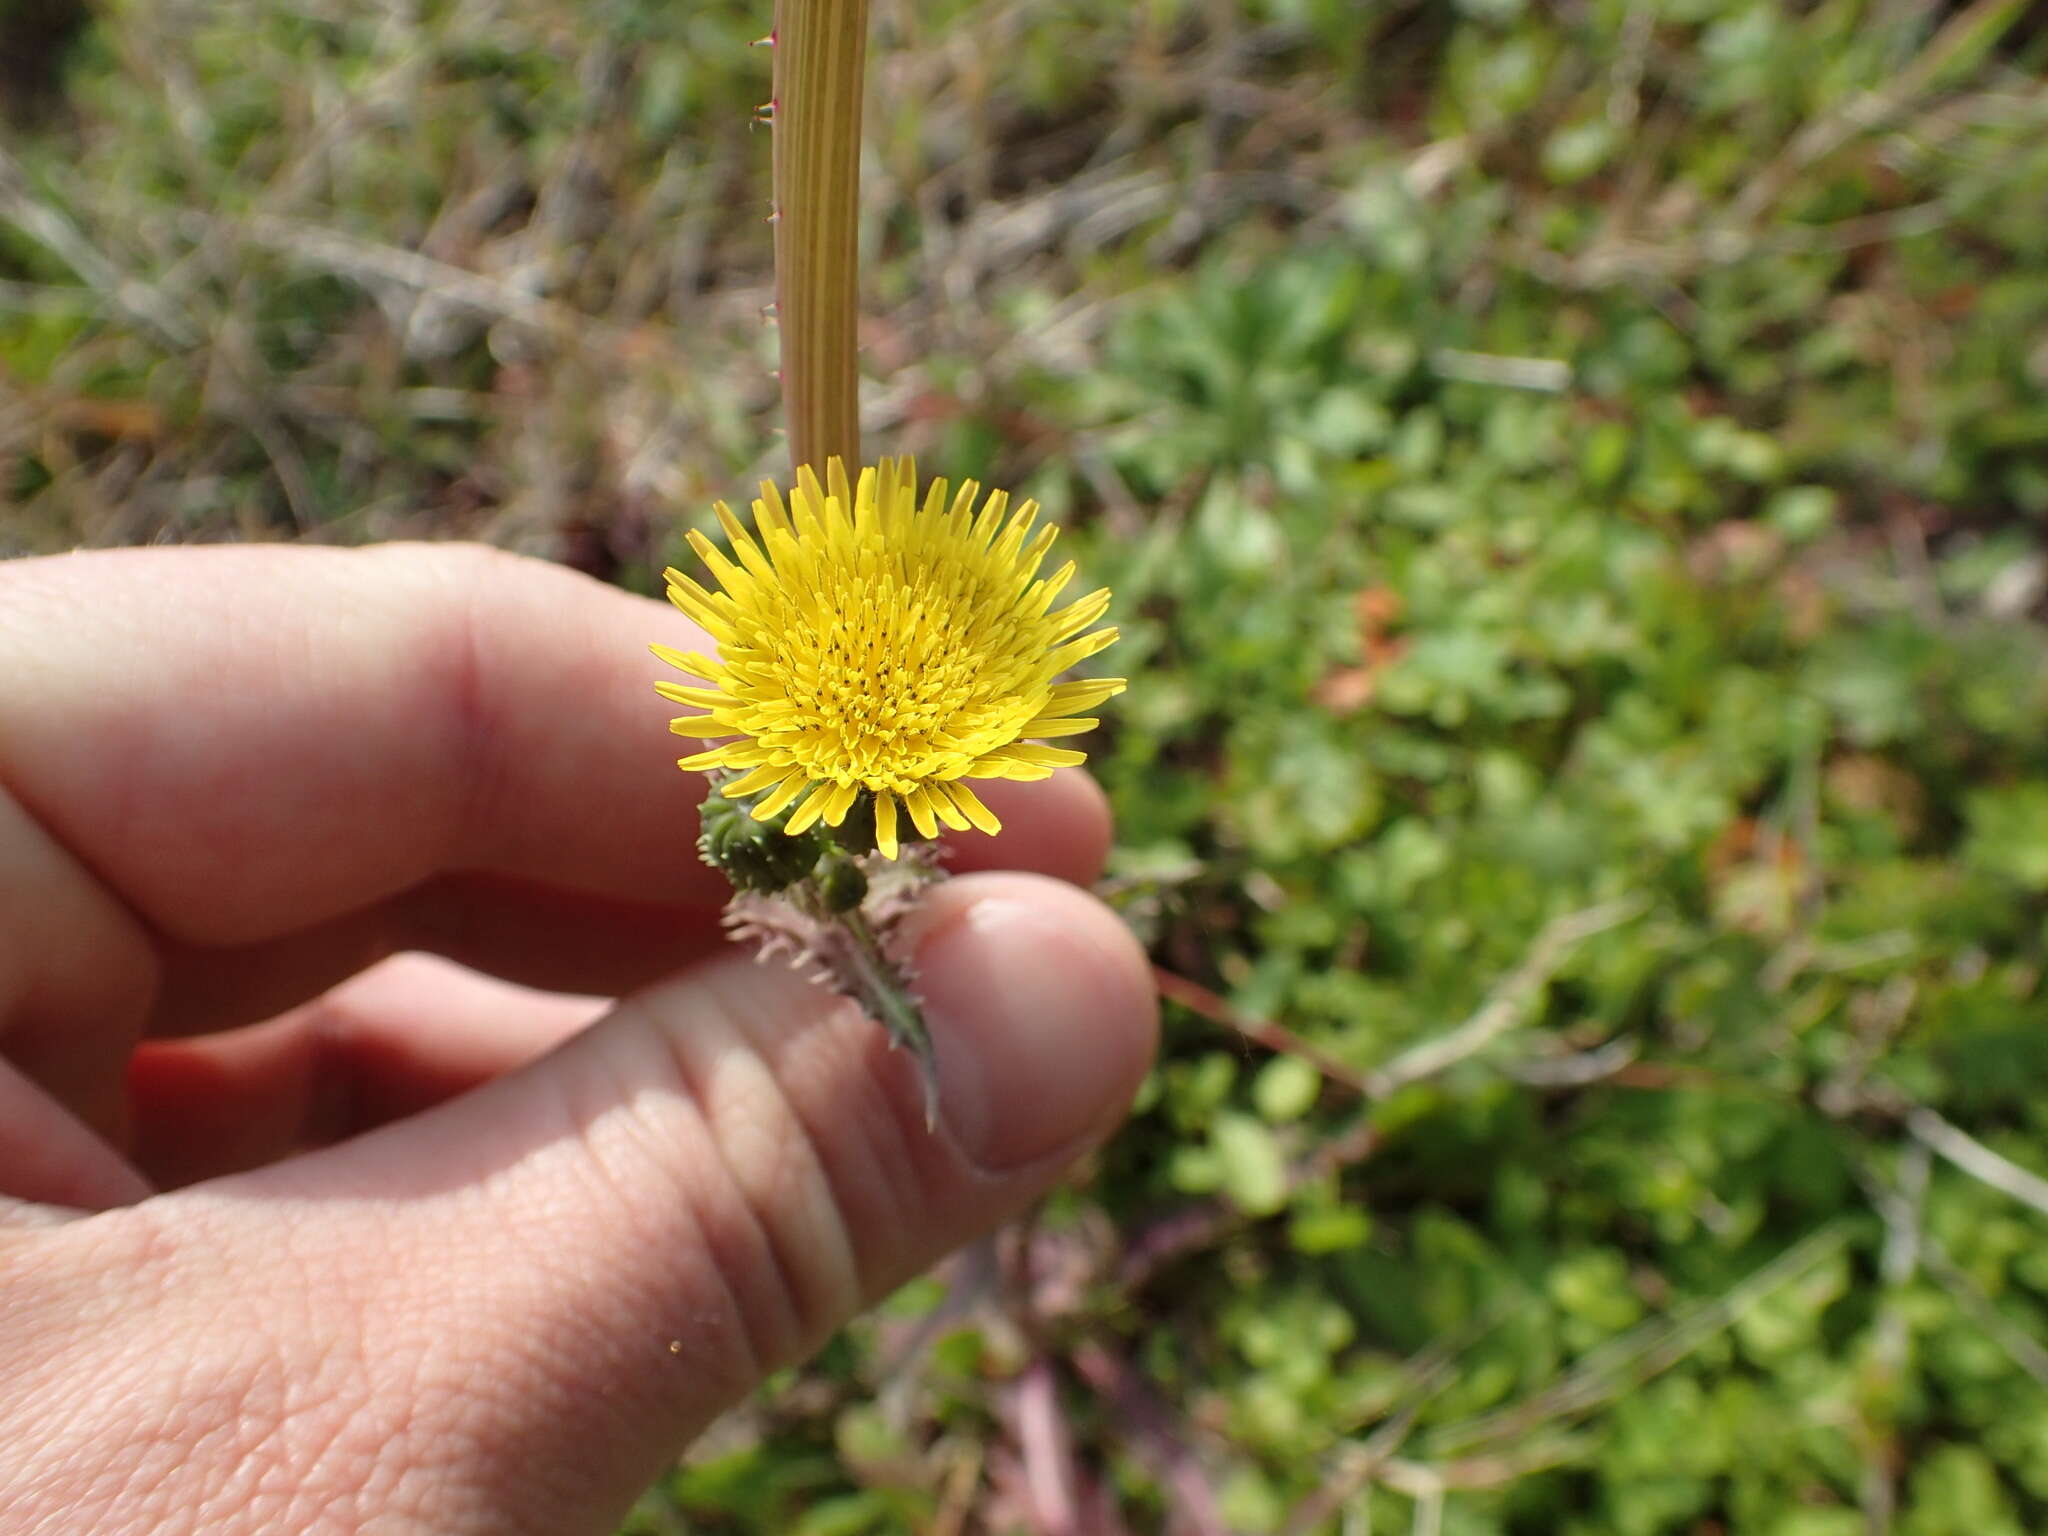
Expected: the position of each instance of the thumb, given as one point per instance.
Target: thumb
(582, 1264)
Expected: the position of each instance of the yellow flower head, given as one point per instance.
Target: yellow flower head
(870, 644)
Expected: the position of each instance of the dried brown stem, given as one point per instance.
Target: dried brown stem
(820, 63)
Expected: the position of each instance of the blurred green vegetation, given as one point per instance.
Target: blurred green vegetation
(1574, 477)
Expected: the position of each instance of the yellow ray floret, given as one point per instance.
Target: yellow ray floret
(870, 643)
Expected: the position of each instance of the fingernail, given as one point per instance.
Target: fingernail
(1042, 1012)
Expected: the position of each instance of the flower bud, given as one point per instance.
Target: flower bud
(754, 855)
(842, 884)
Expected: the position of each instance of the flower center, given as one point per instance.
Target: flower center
(890, 675)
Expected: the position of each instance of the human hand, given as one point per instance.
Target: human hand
(423, 1251)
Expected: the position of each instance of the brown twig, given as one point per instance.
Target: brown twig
(1199, 1000)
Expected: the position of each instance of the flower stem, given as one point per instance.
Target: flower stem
(889, 999)
(820, 66)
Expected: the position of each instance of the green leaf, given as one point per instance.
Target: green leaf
(2009, 832)
(1254, 1170)
(1286, 1088)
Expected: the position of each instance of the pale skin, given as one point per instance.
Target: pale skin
(302, 1229)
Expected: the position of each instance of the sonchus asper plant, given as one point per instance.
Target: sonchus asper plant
(878, 647)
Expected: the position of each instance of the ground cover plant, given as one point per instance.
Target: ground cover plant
(1574, 478)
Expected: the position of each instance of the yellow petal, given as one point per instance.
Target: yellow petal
(772, 804)
(813, 807)
(1040, 597)
(1002, 765)
(769, 515)
(885, 824)
(734, 754)
(696, 663)
(1051, 757)
(991, 515)
(1084, 694)
(697, 763)
(731, 577)
(972, 808)
(1006, 547)
(698, 605)
(710, 727)
(1080, 613)
(1059, 725)
(947, 811)
(918, 802)
(1080, 650)
(701, 698)
(1033, 555)
(742, 545)
(842, 799)
(754, 779)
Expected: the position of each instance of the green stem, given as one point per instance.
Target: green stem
(820, 67)
(895, 1009)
